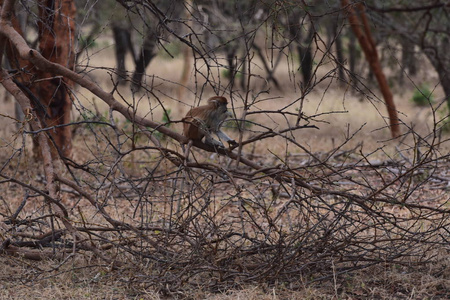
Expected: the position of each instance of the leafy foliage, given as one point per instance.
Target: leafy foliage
(422, 95)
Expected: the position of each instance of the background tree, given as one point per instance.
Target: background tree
(49, 93)
(56, 43)
(368, 45)
(425, 25)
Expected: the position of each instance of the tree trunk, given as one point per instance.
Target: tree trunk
(145, 57)
(304, 52)
(121, 38)
(368, 45)
(339, 55)
(15, 63)
(231, 57)
(442, 70)
(270, 71)
(306, 58)
(56, 43)
(353, 59)
(184, 78)
(445, 81)
(408, 59)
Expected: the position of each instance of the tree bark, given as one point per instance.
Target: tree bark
(368, 45)
(56, 43)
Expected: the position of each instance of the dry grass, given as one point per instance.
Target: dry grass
(87, 279)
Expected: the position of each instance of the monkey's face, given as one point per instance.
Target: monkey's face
(222, 109)
(222, 112)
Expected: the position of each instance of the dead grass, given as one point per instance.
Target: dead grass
(85, 279)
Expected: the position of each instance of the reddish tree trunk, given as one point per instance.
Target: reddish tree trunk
(56, 43)
(368, 45)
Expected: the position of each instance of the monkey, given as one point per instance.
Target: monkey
(201, 121)
(204, 120)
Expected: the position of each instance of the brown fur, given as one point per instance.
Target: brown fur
(205, 119)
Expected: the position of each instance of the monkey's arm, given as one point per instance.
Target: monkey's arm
(209, 140)
(222, 136)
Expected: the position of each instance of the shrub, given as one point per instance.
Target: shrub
(422, 96)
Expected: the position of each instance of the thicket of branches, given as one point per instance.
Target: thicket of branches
(226, 217)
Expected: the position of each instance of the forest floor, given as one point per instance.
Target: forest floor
(87, 278)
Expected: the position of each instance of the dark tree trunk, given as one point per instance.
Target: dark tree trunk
(352, 59)
(339, 55)
(243, 72)
(122, 38)
(145, 57)
(230, 62)
(270, 71)
(15, 63)
(306, 61)
(304, 52)
(408, 59)
(231, 55)
(445, 81)
(444, 74)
